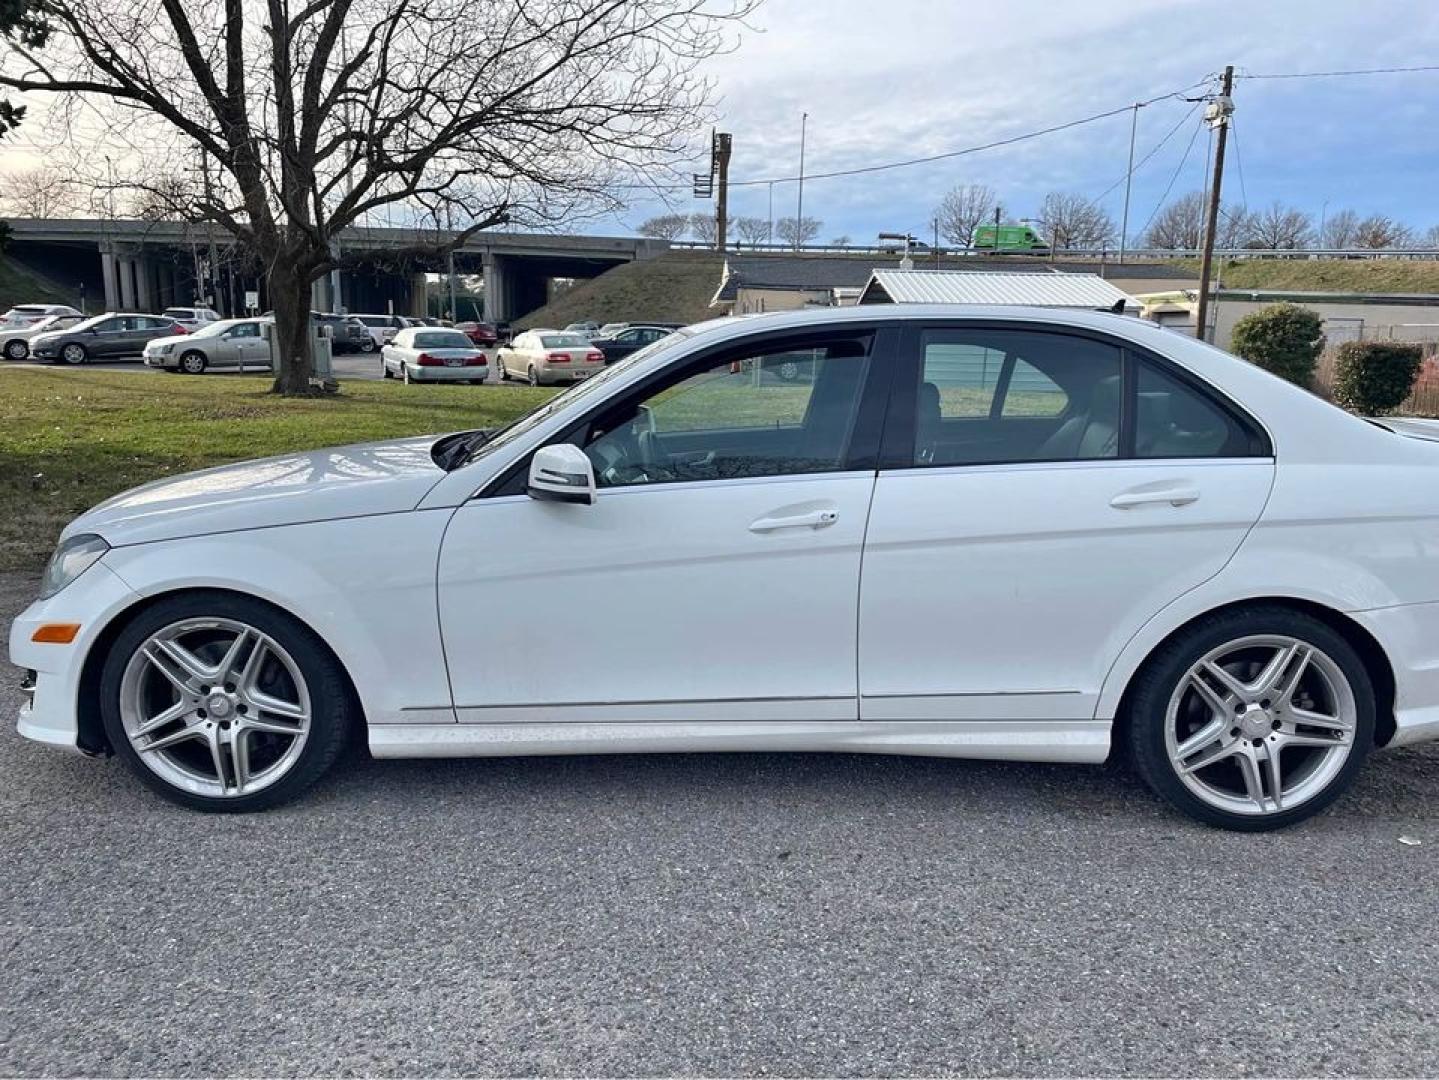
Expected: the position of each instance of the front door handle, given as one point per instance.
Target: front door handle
(1178, 496)
(814, 519)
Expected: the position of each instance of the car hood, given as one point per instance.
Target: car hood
(319, 485)
(173, 339)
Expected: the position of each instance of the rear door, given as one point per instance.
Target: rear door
(1042, 493)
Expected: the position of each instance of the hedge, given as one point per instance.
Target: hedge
(1374, 377)
(1285, 339)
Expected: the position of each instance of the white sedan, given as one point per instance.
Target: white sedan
(1080, 534)
(433, 354)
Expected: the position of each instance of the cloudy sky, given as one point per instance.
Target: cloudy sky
(896, 79)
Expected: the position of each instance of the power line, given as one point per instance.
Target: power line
(1238, 161)
(1342, 74)
(1152, 151)
(1177, 170)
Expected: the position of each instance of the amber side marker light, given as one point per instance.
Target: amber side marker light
(56, 633)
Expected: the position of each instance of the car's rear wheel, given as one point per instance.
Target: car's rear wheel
(385, 372)
(405, 374)
(223, 703)
(501, 374)
(1252, 719)
(193, 363)
(74, 354)
(368, 345)
(17, 349)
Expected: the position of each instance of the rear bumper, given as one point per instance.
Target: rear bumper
(1409, 635)
(448, 374)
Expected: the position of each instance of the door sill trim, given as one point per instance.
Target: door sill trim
(1062, 741)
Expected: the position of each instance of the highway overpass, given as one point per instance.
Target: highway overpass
(148, 265)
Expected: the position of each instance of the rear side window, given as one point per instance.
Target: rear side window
(1175, 420)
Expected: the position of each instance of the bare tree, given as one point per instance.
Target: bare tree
(703, 228)
(842, 240)
(1180, 225)
(1431, 237)
(37, 193)
(963, 210)
(751, 230)
(1378, 231)
(797, 233)
(166, 198)
(452, 115)
(1339, 229)
(1279, 228)
(1073, 221)
(665, 226)
(23, 21)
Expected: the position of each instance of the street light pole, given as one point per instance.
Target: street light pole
(1128, 181)
(799, 209)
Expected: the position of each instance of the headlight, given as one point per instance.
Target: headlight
(71, 559)
(165, 350)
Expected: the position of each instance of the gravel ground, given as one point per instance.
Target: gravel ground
(708, 915)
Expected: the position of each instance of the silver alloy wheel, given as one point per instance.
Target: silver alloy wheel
(215, 707)
(73, 354)
(1260, 724)
(17, 349)
(192, 363)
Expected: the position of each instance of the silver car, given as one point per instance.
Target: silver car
(15, 336)
(230, 344)
(433, 354)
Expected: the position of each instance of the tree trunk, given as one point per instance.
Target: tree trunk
(289, 290)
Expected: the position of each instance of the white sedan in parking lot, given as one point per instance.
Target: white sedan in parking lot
(433, 354)
(1080, 535)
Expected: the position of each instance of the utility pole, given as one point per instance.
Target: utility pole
(799, 209)
(1128, 181)
(1218, 113)
(936, 243)
(722, 147)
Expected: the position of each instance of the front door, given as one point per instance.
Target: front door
(1042, 494)
(715, 578)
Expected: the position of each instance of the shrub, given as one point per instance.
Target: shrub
(1374, 377)
(1285, 339)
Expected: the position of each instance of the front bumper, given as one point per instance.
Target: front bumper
(161, 360)
(49, 712)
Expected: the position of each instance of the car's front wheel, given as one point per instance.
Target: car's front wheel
(224, 703)
(193, 363)
(1252, 719)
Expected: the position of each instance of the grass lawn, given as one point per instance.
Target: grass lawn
(69, 439)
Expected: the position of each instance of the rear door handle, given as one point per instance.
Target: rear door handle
(1179, 496)
(815, 519)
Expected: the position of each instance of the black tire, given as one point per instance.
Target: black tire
(18, 349)
(193, 363)
(533, 376)
(73, 354)
(367, 346)
(1149, 696)
(331, 722)
(385, 372)
(500, 373)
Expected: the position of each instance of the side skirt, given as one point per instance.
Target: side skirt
(1064, 741)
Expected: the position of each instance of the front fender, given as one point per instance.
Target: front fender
(365, 585)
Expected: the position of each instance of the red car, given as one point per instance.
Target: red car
(481, 333)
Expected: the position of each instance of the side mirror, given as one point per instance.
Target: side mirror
(562, 473)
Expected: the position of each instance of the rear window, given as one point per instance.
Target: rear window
(375, 320)
(442, 339)
(563, 341)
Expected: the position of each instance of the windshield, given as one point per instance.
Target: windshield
(177, 313)
(93, 320)
(443, 339)
(563, 341)
(579, 391)
(215, 329)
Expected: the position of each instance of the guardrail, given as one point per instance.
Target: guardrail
(1101, 254)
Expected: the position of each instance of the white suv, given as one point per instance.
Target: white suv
(192, 318)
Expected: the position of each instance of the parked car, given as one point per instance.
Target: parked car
(102, 337)
(504, 332)
(610, 329)
(584, 329)
(237, 344)
(542, 357)
(24, 314)
(192, 318)
(382, 327)
(629, 340)
(433, 354)
(15, 337)
(480, 333)
(1081, 534)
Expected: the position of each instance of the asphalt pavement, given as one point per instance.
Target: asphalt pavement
(708, 915)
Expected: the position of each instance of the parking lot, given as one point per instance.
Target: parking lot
(344, 366)
(708, 915)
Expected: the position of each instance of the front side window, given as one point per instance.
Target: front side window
(987, 396)
(245, 330)
(736, 419)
